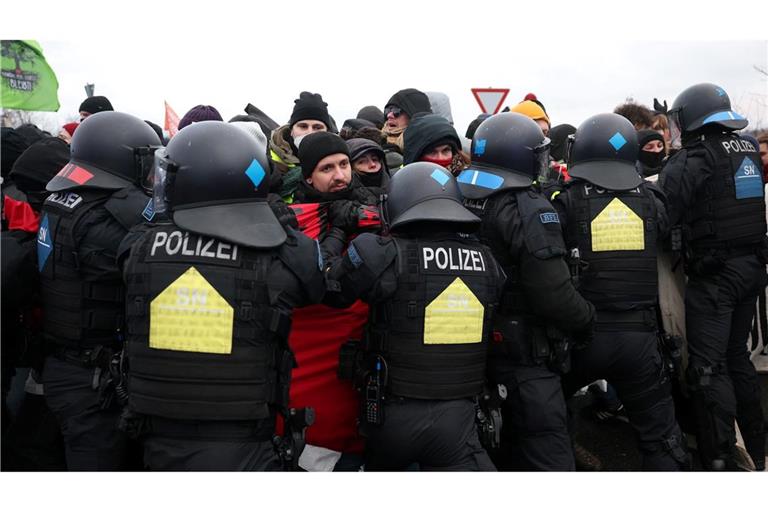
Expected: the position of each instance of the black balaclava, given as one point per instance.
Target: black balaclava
(651, 161)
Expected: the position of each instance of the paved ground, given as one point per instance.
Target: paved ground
(612, 442)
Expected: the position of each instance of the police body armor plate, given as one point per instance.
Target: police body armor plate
(203, 342)
(78, 312)
(616, 233)
(728, 210)
(433, 332)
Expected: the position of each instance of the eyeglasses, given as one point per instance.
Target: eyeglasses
(395, 111)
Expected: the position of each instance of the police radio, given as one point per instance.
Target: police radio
(373, 402)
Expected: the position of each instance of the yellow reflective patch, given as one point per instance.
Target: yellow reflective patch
(617, 228)
(454, 317)
(191, 316)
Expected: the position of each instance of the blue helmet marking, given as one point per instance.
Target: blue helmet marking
(617, 141)
(440, 177)
(480, 179)
(480, 146)
(255, 173)
(726, 115)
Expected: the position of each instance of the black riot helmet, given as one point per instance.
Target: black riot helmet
(700, 105)
(603, 151)
(110, 150)
(509, 150)
(213, 178)
(423, 191)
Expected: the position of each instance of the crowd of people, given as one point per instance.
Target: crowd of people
(383, 296)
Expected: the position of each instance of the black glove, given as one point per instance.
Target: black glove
(282, 211)
(344, 214)
(583, 337)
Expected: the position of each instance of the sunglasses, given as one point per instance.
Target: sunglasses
(395, 111)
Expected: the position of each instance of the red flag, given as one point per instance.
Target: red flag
(171, 121)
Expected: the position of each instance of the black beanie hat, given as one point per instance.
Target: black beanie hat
(559, 137)
(310, 106)
(373, 114)
(316, 146)
(411, 101)
(472, 128)
(646, 136)
(95, 104)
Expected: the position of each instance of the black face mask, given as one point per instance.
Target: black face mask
(651, 160)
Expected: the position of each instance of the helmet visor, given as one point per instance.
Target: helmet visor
(161, 168)
(144, 158)
(675, 130)
(569, 148)
(541, 161)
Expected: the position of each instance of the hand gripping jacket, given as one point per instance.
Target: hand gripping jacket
(81, 312)
(729, 210)
(204, 341)
(428, 357)
(615, 233)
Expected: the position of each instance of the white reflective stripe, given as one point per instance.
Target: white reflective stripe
(474, 177)
(317, 458)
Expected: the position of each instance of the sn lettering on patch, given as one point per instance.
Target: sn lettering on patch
(549, 218)
(749, 182)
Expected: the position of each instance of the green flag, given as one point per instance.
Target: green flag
(28, 82)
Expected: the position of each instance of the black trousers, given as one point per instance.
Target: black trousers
(535, 433)
(631, 362)
(724, 384)
(438, 435)
(91, 437)
(180, 445)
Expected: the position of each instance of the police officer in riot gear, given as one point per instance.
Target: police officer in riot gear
(540, 305)
(715, 191)
(612, 220)
(432, 293)
(95, 200)
(210, 291)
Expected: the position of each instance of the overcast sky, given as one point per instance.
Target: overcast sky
(355, 54)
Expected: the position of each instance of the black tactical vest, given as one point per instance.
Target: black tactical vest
(615, 233)
(79, 312)
(729, 210)
(203, 341)
(433, 333)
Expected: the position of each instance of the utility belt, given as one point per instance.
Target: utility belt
(615, 321)
(108, 372)
(529, 344)
(704, 261)
(95, 357)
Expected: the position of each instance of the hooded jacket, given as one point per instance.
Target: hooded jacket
(375, 182)
(424, 131)
(282, 153)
